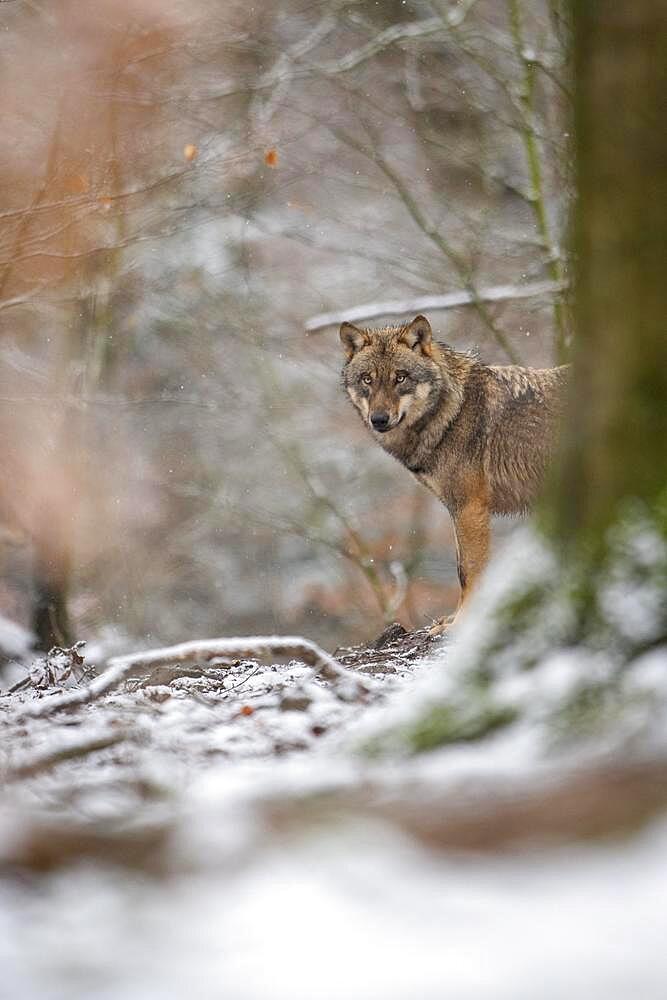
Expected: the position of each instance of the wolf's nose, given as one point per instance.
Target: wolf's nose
(380, 421)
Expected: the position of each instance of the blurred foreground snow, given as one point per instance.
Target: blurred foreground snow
(212, 829)
(355, 913)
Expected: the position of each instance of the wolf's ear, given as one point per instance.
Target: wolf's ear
(353, 339)
(418, 336)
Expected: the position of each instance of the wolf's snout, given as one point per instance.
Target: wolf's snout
(380, 421)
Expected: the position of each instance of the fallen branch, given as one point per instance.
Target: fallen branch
(433, 303)
(246, 648)
(346, 684)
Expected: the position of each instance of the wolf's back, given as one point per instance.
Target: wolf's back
(524, 411)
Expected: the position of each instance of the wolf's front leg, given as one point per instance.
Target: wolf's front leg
(472, 524)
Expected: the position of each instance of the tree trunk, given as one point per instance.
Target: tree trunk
(50, 619)
(615, 444)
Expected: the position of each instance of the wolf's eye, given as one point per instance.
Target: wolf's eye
(366, 378)
(401, 377)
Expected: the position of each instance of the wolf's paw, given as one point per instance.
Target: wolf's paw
(441, 626)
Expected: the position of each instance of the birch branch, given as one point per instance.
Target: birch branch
(433, 303)
(346, 684)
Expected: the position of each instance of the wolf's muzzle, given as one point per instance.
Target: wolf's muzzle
(380, 421)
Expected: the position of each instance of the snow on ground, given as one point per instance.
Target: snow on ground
(209, 829)
(356, 914)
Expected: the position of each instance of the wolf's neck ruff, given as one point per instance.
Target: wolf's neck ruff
(477, 436)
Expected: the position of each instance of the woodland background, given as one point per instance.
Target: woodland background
(184, 188)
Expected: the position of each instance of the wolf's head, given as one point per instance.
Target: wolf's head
(393, 375)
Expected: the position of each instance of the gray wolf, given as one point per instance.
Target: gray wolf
(478, 436)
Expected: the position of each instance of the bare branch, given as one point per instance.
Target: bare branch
(279, 77)
(293, 65)
(433, 303)
(535, 167)
(395, 33)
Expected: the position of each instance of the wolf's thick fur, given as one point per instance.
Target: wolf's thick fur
(479, 436)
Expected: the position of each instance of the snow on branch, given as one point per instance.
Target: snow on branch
(251, 646)
(433, 303)
(347, 685)
(403, 31)
(395, 33)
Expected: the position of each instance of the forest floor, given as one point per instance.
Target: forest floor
(212, 824)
